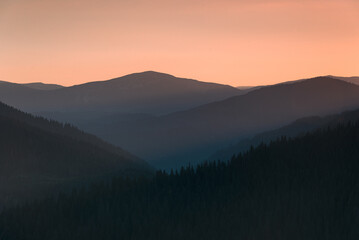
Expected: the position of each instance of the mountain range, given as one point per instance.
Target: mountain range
(178, 138)
(95, 189)
(147, 92)
(170, 121)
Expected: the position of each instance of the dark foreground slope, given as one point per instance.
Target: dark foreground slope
(38, 156)
(306, 188)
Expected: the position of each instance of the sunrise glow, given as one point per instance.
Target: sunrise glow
(232, 42)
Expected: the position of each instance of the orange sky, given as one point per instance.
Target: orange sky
(236, 42)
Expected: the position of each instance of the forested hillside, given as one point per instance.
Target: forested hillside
(63, 129)
(297, 128)
(38, 157)
(303, 188)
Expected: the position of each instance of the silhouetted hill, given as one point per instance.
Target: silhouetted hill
(147, 92)
(177, 138)
(297, 128)
(42, 86)
(247, 89)
(16, 94)
(354, 80)
(291, 189)
(38, 157)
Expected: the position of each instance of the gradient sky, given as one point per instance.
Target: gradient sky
(236, 42)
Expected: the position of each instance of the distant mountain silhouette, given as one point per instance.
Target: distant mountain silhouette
(177, 138)
(297, 128)
(147, 92)
(123, 111)
(247, 89)
(42, 86)
(38, 156)
(354, 80)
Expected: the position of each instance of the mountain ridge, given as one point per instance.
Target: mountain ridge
(146, 92)
(178, 136)
(42, 86)
(297, 128)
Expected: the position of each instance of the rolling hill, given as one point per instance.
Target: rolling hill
(38, 157)
(42, 86)
(354, 80)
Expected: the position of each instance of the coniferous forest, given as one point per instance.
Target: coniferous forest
(39, 157)
(179, 120)
(302, 188)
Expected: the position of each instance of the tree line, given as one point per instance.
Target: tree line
(301, 188)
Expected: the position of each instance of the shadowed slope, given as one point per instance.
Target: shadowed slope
(39, 156)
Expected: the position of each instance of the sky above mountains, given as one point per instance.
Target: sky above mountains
(236, 42)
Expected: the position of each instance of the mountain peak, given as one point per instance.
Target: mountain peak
(354, 79)
(148, 75)
(328, 80)
(42, 86)
(153, 73)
